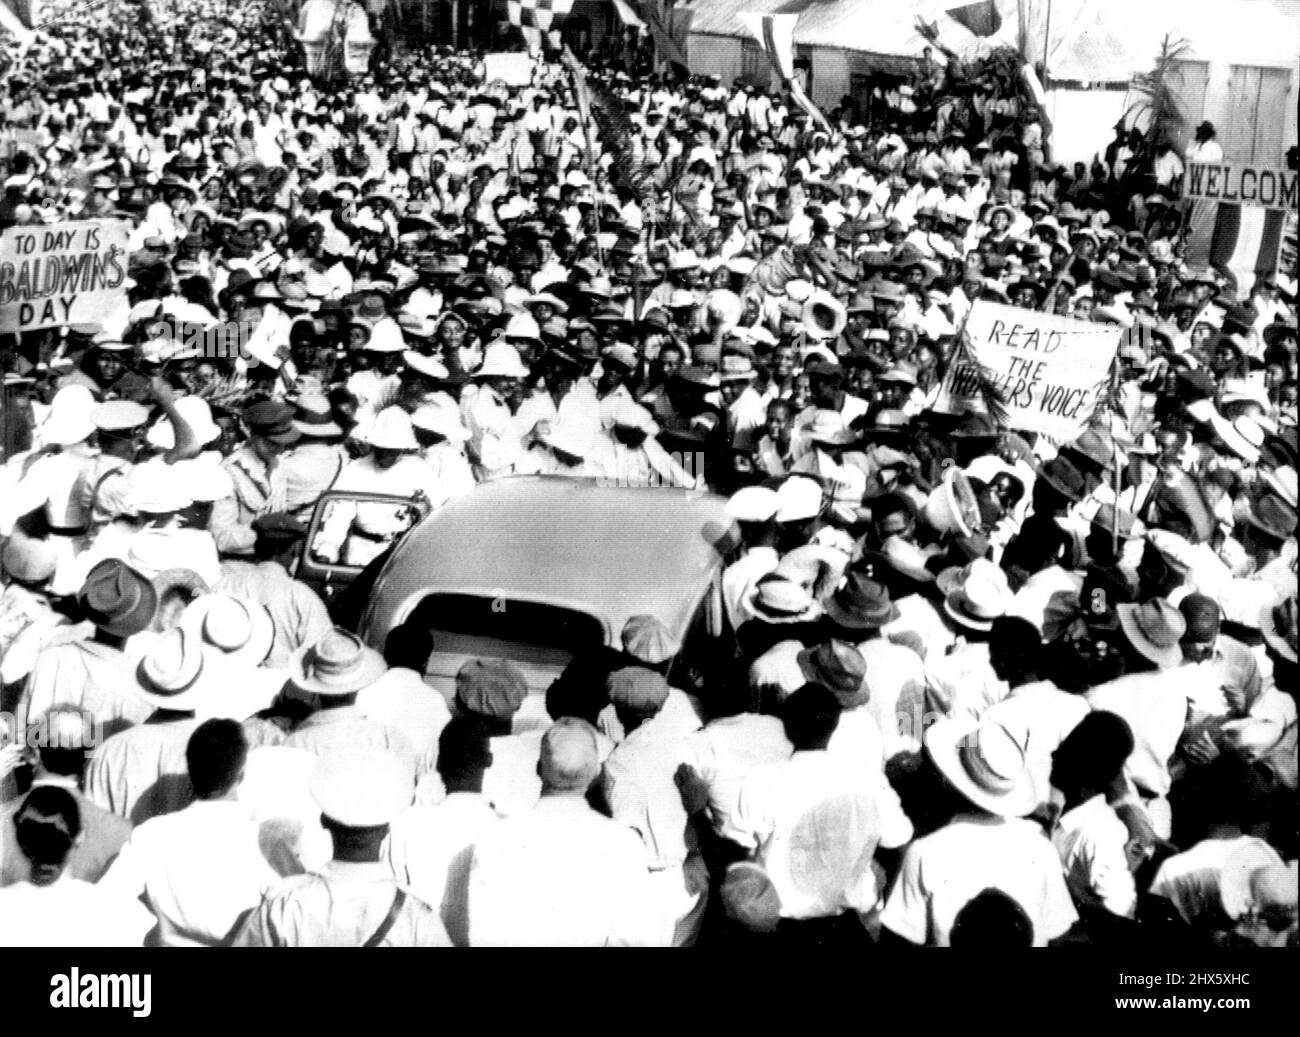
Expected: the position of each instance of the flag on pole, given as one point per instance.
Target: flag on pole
(19, 18)
(668, 28)
(628, 16)
(776, 33)
(983, 18)
(1243, 240)
(535, 18)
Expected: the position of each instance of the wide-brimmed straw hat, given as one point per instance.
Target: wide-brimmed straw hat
(985, 763)
(338, 664)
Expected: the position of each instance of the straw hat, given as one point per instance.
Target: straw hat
(1278, 624)
(171, 674)
(779, 599)
(952, 507)
(977, 601)
(1254, 877)
(1155, 629)
(985, 763)
(237, 627)
(313, 416)
(338, 664)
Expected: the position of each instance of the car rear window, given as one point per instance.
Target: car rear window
(501, 628)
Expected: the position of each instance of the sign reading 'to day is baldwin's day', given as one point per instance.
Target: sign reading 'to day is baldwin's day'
(1242, 185)
(1049, 370)
(62, 273)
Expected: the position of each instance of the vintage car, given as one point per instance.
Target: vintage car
(535, 568)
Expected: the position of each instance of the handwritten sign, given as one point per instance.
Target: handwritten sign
(1048, 370)
(514, 68)
(1242, 185)
(64, 273)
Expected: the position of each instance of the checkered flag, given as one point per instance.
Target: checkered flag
(537, 17)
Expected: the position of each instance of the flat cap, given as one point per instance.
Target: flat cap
(637, 690)
(491, 688)
(648, 640)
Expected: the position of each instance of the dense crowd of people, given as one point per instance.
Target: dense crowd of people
(987, 689)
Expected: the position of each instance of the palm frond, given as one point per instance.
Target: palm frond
(986, 386)
(1157, 97)
(227, 393)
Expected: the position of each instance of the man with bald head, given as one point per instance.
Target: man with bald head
(561, 875)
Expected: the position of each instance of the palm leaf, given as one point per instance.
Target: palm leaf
(986, 384)
(1158, 99)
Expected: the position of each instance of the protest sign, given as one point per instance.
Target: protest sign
(62, 273)
(514, 68)
(1241, 185)
(1048, 370)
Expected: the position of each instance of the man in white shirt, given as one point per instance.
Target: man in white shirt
(638, 783)
(1038, 713)
(200, 869)
(562, 875)
(52, 909)
(400, 698)
(814, 824)
(989, 847)
(1205, 149)
(754, 509)
(430, 846)
(1089, 835)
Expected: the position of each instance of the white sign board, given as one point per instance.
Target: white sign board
(514, 68)
(1049, 370)
(63, 273)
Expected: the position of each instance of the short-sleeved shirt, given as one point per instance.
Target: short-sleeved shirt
(343, 905)
(945, 870)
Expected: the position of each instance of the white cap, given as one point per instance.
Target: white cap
(754, 504)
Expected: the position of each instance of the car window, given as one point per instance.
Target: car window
(501, 628)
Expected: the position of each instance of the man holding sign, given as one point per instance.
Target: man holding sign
(1047, 370)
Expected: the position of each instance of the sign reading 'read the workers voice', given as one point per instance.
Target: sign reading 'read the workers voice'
(1048, 370)
(62, 273)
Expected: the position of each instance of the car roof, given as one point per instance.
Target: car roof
(613, 551)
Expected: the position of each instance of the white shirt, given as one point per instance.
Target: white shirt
(200, 869)
(814, 824)
(1090, 839)
(726, 752)
(1155, 706)
(945, 870)
(896, 678)
(962, 683)
(429, 850)
(639, 785)
(1039, 716)
(560, 875)
(739, 579)
(401, 699)
(70, 913)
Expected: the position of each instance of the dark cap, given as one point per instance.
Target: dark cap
(273, 421)
(491, 688)
(279, 525)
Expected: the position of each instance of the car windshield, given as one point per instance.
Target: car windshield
(501, 628)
